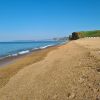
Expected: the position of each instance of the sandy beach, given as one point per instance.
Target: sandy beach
(67, 72)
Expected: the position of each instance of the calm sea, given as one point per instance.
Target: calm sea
(18, 48)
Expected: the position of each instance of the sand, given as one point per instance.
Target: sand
(68, 72)
(9, 69)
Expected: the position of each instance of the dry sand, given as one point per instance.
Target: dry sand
(70, 72)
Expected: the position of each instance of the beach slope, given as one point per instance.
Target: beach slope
(70, 72)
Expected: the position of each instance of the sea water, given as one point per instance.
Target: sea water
(18, 48)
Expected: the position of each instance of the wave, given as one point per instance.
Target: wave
(22, 52)
(15, 54)
(43, 47)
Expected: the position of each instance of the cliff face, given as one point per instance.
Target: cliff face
(82, 34)
(75, 36)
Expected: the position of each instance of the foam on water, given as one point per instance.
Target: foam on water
(8, 49)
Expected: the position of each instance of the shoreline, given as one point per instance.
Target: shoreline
(10, 59)
(19, 53)
(11, 65)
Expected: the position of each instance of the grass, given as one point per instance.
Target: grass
(95, 33)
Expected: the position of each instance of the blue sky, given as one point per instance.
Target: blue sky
(43, 19)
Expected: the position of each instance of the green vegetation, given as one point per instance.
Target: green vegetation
(82, 34)
(95, 33)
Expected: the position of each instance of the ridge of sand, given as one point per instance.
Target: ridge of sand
(71, 72)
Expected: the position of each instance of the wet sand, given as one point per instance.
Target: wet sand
(67, 72)
(9, 60)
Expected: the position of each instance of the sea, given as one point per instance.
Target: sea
(8, 49)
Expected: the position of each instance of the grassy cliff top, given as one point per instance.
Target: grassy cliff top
(95, 33)
(82, 34)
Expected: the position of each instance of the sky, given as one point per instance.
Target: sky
(44, 19)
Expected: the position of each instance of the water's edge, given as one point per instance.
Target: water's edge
(10, 58)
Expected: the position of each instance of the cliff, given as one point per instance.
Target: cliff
(82, 34)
